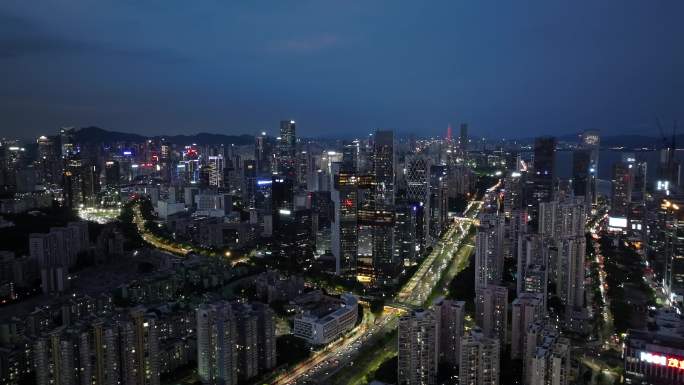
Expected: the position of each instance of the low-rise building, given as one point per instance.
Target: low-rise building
(653, 358)
(322, 324)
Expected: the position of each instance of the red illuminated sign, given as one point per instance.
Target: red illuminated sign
(661, 360)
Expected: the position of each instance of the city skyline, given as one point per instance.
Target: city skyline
(341, 193)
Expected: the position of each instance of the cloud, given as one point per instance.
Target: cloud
(305, 45)
(23, 37)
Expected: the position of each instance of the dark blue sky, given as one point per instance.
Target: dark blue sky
(509, 68)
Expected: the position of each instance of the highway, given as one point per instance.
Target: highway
(153, 239)
(420, 286)
(320, 368)
(343, 351)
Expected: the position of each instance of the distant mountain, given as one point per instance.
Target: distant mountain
(99, 135)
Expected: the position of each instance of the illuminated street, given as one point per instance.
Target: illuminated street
(324, 364)
(341, 193)
(153, 239)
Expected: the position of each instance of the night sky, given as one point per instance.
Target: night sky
(509, 68)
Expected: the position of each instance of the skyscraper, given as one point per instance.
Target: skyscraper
(383, 169)
(54, 359)
(385, 266)
(140, 338)
(489, 250)
(405, 230)
(527, 309)
(582, 176)
(216, 165)
(479, 359)
(103, 341)
(288, 148)
(350, 156)
(112, 173)
(418, 193)
(491, 311)
(263, 152)
(549, 359)
(216, 340)
(67, 140)
(256, 339)
(344, 229)
(543, 178)
(288, 135)
(266, 338)
(463, 138)
(570, 270)
(450, 315)
(640, 181)
(438, 201)
(562, 219)
(49, 160)
(247, 342)
(622, 185)
(590, 141)
(418, 348)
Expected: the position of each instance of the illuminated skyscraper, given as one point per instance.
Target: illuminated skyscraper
(590, 142)
(140, 339)
(68, 145)
(547, 358)
(263, 152)
(542, 186)
(418, 193)
(344, 232)
(491, 311)
(479, 359)
(622, 185)
(405, 229)
(489, 250)
(288, 147)
(438, 202)
(49, 160)
(288, 135)
(418, 348)
(526, 309)
(583, 178)
(463, 138)
(216, 340)
(385, 266)
(570, 270)
(216, 166)
(383, 169)
(450, 315)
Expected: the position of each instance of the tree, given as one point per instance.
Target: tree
(291, 350)
(387, 371)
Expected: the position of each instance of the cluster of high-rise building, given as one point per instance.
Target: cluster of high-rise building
(366, 207)
(56, 252)
(365, 210)
(533, 222)
(234, 341)
(139, 332)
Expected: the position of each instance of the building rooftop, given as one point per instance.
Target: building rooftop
(668, 340)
